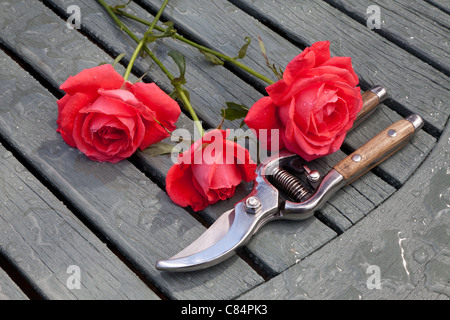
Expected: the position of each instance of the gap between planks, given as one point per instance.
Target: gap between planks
(14, 274)
(97, 44)
(392, 37)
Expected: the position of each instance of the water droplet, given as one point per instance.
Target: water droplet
(7, 154)
(445, 196)
(420, 255)
(142, 182)
(149, 202)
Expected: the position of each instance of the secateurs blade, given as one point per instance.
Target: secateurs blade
(286, 188)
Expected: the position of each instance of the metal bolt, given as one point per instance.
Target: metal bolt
(312, 175)
(252, 205)
(357, 158)
(392, 133)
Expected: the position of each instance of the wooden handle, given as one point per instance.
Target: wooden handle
(376, 150)
(371, 99)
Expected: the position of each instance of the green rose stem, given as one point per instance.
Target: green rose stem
(142, 41)
(200, 47)
(141, 45)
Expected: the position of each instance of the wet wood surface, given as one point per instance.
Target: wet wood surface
(116, 221)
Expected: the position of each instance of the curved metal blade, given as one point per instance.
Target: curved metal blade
(231, 231)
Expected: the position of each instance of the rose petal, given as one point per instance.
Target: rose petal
(294, 69)
(68, 108)
(243, 161)
(90, 80)
(166, 109)
(129, 99)
(346, 64)
(311, 57)
(180, 188)
(283, 97)
(263, 115)
(344, 75)
(109, 106)
(321, 50)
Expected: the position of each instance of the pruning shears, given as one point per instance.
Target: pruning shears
(286, 188)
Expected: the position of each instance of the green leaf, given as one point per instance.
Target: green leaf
(120, 6)
(168, 32)
(212, 58)
(117, 60)
(159, 148)
(180, 61)
(234, 111)
(243, 51)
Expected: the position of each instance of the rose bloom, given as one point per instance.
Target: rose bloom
(313, 106)
(209, 171)
(108, 119)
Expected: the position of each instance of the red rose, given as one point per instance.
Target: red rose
(313, 106)
(107, 118)
(209, 171)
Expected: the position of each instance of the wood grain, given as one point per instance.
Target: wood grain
(416, 26)
(407, 238)
(375, 151)
(8, 289)
(211, 86)
(414, 86)
(42, 238)
(118, 200)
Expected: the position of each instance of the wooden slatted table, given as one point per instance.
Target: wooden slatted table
(60, 211)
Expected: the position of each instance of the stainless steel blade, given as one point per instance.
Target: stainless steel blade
(214, 233)
(231, 231)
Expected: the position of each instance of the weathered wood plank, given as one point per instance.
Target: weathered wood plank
(316, 233)
(406, 239)
(218, 16)
(8, 289)
(416, 26)
(210, 86)
(442, 5)
(309, 232)
(103, 30)
(376, 60)
(354, 206)
(131, 211)
(43, 239)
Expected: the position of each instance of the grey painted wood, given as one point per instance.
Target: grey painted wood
(218, 23)
(376, 60)
(316, 233)
(306, 238)
(417, 26)
(105, 32)
(407, 238)
(442, 5)
(209, 86)
(8, 289)
(128, 209)
(42, 239)
(355, 206)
